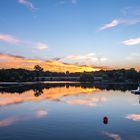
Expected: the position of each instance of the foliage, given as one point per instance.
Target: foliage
(21, 75)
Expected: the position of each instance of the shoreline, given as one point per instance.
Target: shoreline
(67, 82)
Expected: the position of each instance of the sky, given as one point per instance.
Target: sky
(74, 35)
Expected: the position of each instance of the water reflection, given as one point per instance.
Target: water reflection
(134, 117)
(56, 93)
(92, 101)
(112, 135)
(13, 119)
(69, 111)
(39, 87)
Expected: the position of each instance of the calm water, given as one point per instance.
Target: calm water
(69, 112)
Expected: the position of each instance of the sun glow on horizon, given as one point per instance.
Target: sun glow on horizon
(10, 61)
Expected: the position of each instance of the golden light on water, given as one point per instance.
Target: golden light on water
(51, 94)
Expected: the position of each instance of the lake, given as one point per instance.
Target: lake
(69, 111)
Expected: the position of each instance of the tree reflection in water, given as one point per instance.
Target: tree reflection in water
(37, 92)
(38, 88)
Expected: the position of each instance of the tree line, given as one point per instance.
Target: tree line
(23, 75)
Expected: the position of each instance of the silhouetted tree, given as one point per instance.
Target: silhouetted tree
(38, 70)
(67, 73)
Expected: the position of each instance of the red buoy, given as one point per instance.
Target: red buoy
(105, 120)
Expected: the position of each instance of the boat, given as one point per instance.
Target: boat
(137, 91)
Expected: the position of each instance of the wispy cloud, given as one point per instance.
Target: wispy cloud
(132, 41)
(41, 46)
(17, 59)
(113, 23)
(9, 39)
(116, 22)
(134, 117)
(130, 16)
(112, 135)
(89, 58)
(27, 3)
(14, 40)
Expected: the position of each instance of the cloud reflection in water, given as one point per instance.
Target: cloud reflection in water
(11, 120)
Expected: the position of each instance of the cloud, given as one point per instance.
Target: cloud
(41, 46)
(130, 16)
(12, 61)
(9, 39)
(116, 22)
(17, 59)
(112, 135)
(134, 117)
(10, 58)
(27, 3)
(113, 23)
(14, 40)
(87, 58)
(132, 41)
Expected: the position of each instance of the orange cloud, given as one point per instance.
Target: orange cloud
(11, 61)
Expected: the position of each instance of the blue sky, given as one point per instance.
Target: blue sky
(85, 32)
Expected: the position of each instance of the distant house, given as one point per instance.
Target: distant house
(98, 78)
(59, 78)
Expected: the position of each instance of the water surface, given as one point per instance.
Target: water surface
(69, 111)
